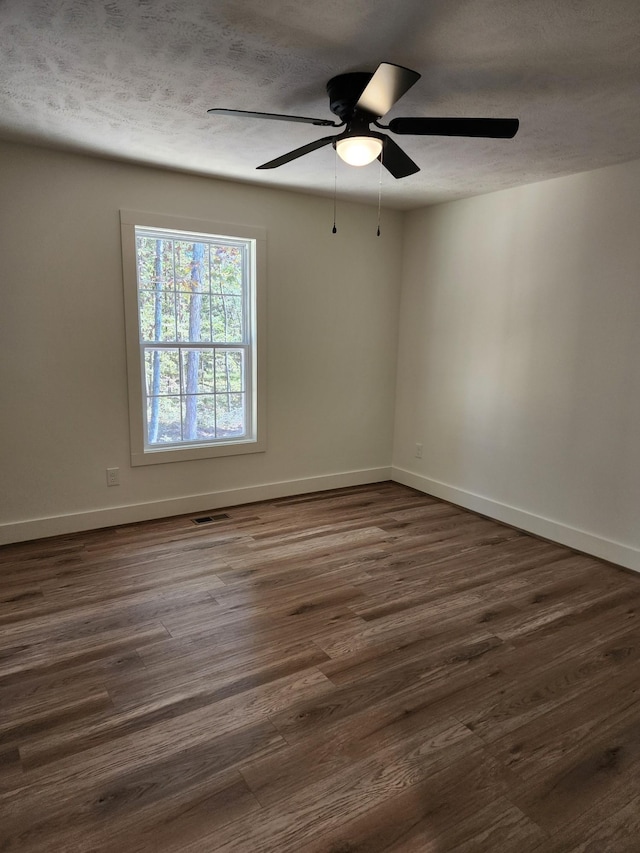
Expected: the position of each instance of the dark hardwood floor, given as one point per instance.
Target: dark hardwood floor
(368, 669)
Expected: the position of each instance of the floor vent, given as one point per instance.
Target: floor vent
(206, 519)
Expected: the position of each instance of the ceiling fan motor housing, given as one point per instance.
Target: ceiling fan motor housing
(344, 92)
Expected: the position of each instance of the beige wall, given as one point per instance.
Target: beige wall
(332, 342)
(519, 358)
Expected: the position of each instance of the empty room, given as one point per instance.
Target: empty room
(320, 370)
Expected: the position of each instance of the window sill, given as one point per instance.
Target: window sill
(187, 454)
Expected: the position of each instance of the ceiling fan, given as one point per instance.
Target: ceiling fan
(359, 99)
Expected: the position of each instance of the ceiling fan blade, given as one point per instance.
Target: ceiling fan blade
(490, 128)
(298, 152)
(396, 161)
(321, 122)
(388, 85)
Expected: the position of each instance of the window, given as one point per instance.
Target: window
(193, 307)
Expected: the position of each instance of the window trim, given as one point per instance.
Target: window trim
(141, 455)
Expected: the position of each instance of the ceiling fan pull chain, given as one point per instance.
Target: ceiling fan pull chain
(335, 190)
(380, 190)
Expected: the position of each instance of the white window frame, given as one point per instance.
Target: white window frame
(255, 440)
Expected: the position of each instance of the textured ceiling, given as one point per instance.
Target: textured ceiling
(133, 79)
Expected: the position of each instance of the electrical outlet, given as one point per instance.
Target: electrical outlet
(113, 476)
(418, 450)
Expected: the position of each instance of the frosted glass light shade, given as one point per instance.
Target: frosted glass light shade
(359, 150)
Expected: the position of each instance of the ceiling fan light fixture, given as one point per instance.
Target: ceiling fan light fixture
(359, 150)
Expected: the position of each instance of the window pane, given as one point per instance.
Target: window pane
(206, 378)
(191, 262)
(145, 250)
(198, 417)
(197, 371)
(230, 415)
(205, 318)
(226, 269)
(163, 420)
(155, 263)
(229, 370)
(194, 322)
(182, 257)
(146, 303)
(157, 316)
(162, 370)
(226, 316)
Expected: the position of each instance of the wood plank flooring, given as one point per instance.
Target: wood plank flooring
(367, 669)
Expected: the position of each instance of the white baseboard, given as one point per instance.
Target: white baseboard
(581, 540)
(38, 528)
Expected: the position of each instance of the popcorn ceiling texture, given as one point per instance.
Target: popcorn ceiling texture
(133, 79)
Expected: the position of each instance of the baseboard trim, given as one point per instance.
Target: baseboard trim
(40, 528)
(547, 528)
(581, 540)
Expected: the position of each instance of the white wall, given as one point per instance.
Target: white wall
(519, 358)
(332, 341)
